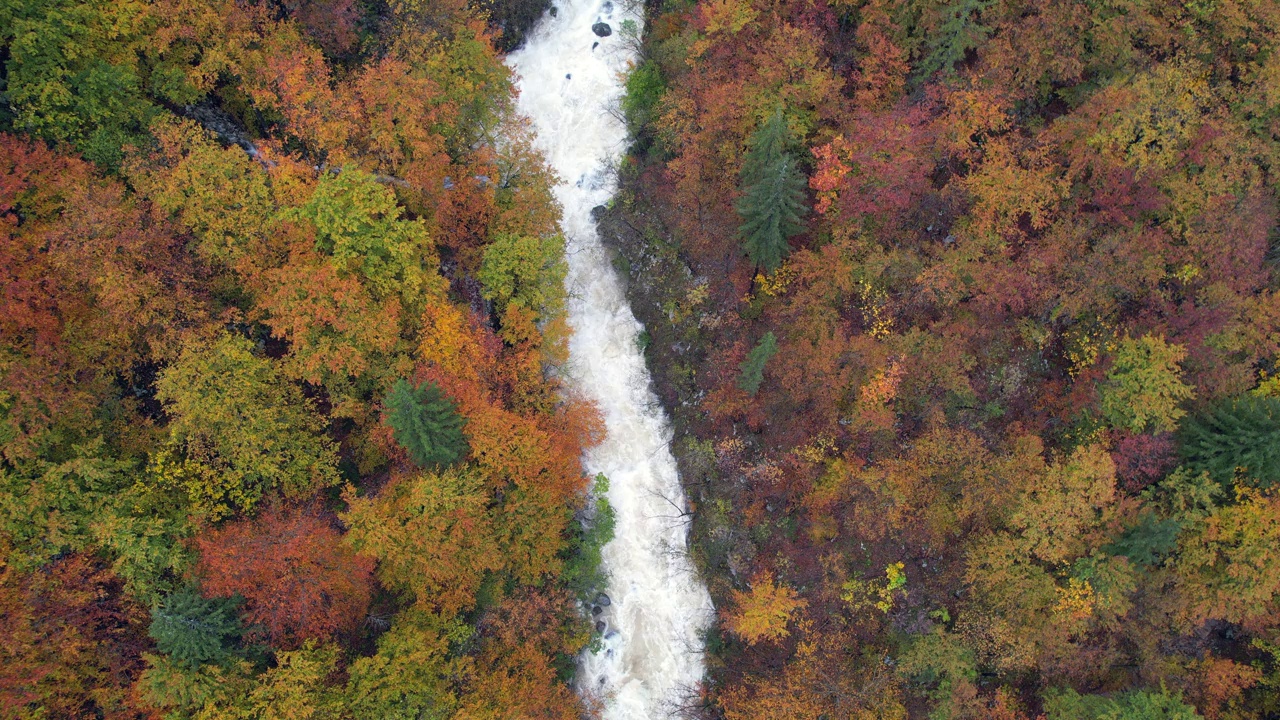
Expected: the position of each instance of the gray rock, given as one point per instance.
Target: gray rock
(596, 610)
(602, 29)
(600, 626)
(603, 599)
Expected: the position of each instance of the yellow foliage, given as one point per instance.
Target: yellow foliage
(447, 341)
(1076, 601)
(862, 594)
(764, 611)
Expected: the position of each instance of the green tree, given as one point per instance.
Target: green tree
(433, 535)
(409, 677)
(958, 32)
(426, 424)
(528, 271)
(773, 194)
(359, 226)
(753, 367)
(237, 429)
(1239, 435)
(1143, 389)
(645, 86)
(296, 688)
(194, 630)
(582, 571)
(73, 73)
(49, 509)
(1132, 705)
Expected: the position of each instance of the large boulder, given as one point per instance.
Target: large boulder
(602, 29)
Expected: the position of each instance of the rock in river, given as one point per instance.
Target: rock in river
(602, 29)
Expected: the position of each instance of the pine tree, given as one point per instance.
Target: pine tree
(772, 203)
(1241, 433)
(194, 630)
(753, 367)
(426, 424)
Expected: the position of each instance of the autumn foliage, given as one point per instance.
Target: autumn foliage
(989, 436)
(229, 231)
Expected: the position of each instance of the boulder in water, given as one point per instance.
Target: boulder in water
(553, 10)
(607, 8)
(602, 29)
(602, 599)
(596, 610)
(595, 45)
(600, 626)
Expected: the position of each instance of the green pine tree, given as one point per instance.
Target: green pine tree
(194, 630)
(426, 424)
(1241, 433)
(753, 367)
(772, 203)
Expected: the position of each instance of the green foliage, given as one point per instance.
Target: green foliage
(146, 536)
(409, 677)
(957, 34)
(645, 86)
(194, 630)
(171, 685)
(527, 271)
(237, 430)
(752, 369)
(1149, 541)
(358, 224)
(879, 594)
(426, 424)
(1133, 705)
(939, 664)
(1239, 436)
(73, 74)
(582, 572)
(49, 509)
(1144, 388)
(297, 687)
(772, 203)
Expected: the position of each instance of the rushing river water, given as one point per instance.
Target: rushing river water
(651, 658)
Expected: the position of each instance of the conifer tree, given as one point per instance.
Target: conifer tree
(1241, 433)
(772, 203)
(753, 367)
(426, 424)
(194, 630)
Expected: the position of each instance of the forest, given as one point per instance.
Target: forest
(279, 284)
(966, 312)
(967, 315)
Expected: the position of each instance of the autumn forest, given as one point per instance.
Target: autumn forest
(966, 314)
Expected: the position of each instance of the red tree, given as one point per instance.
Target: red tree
(298, 579)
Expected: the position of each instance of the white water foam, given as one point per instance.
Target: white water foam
(651, 660)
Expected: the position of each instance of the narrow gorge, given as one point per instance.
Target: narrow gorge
(570, 73)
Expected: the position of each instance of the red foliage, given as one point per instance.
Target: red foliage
(71, 641)
(298, 579)
(1143, 459)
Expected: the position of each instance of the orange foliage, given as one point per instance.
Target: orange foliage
(298, 580)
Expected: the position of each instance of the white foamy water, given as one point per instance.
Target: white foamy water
(652, 656)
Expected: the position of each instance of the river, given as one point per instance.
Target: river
(651, 659)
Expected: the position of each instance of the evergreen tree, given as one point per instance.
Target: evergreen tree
(753, 367)
(426, 424)
(194, 630)
(772, 203)
(1240, 433)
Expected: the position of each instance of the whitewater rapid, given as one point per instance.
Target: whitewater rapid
(651, 659)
